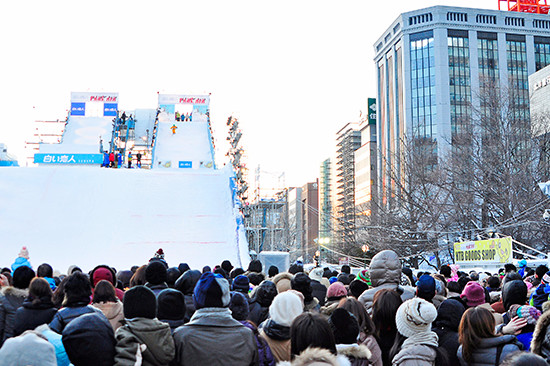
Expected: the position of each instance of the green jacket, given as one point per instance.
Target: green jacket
(148, 340)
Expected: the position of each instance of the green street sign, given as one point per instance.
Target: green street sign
(372, 110)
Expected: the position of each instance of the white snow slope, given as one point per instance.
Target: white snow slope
(82, 136)
(189, 143)
(90, 215)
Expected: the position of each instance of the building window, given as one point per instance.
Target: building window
(457, 17)
(540, 23)
(542, 52)
(486, 19)
(516, 22)
(459, 82)
(421, 18)
(516, 56)
(424, 127)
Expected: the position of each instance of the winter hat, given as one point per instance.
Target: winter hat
(187, 281)
(344, 278)
(212, 290)
(514, 292)
(227, 266)
(316, 274)
(28, 349)
(282, 281)
(90, 340)
(24, 253)
(522, 263)
(546, 278)
(415, 316)
(101, 273)
(449, 314)
(426, 286)
(159, 254)
(364, 276)
(172, 275)
(344, 326)
(140, 302)
(170, 305)
(255, 278)
(530, 313)
(239, 306)
(124, 277)
(336, 290)
(155, 273)
(285, 307)
(473, 294)
(357, 287)
(265, 293)
(301, 282)
(22, 277)
(241, 283)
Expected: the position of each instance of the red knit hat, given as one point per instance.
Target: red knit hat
(473, 294)
(337, 289)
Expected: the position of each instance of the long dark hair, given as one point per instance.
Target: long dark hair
(476, 324)
(139, 277)
(311, 330)
(384, 307)
(104, 292)
(358, 310)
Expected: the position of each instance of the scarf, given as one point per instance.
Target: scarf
(428, 338)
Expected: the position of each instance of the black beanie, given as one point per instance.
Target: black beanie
(255, 278)
(357, 287)
(183, 267)
(227, 266)
(155, 273)
(171, 305)
(302, 283)
(172, 275)
(140, 302)
(90, 340)
(344, 326)
(273, 271)
(22, 277)
(344, 278)
(255, 266)
(239, 306)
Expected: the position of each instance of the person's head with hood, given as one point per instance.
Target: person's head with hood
(514, 293)
(155, 273)
(449, 315)
(239, 306)
(170, 305)
(227, 266)
(265, 293)
(357, 287)
(102, 272)
(285, 307)
(187, 281)
(212, 291)
(385, 268)
(316, 274)
(183, 267)
(302, 283)
(30, 348)
(90, 340)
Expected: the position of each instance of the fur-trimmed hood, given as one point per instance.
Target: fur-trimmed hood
(14, 292)
(539, 334)
(318, 356)
(282, 281)
(355, 351)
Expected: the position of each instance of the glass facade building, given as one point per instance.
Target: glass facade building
(432, 65)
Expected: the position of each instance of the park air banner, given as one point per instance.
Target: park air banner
(490, 251)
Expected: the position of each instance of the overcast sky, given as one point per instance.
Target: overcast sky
(293, 72)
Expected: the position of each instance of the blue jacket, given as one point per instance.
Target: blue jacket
(540, 296)
(65, 315)
(55, 340)
(20, 261)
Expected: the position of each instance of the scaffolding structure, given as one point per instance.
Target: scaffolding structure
(526, 6)
(347, 141)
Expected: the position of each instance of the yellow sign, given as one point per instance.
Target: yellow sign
(489, 251)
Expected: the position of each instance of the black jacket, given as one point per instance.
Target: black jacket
(319, 291)
(30, 315)
(445, 326)
(65, 315)
(186, 284)
(259, 305)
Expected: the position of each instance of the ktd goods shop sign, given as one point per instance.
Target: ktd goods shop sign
(491, 251)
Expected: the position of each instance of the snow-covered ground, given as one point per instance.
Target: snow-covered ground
(90, 215)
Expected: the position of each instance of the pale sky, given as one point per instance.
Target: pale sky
(293, 72)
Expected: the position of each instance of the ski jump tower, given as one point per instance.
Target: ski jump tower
(525, 6)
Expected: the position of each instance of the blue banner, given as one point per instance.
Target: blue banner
(185, 164)
(68, 158)
(78, 109)
(110, 109)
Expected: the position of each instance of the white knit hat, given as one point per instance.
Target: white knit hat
(285, 307)
(415, 316)
(24, 253)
